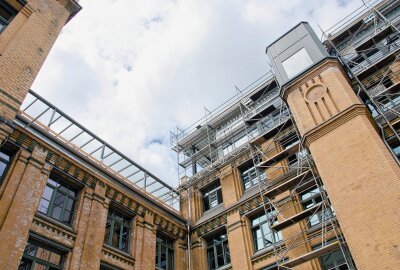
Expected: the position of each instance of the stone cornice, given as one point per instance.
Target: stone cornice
(169, 227)
(339, 119)
(78, 172)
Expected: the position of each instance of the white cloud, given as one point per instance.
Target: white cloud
(132, 70)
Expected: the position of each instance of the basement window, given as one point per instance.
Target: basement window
(7, 13)
(58, 200)
(40, 256)
(164, 252)
(212, 196)
(118, 228)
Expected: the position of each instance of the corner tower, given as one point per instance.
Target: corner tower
(357, 169)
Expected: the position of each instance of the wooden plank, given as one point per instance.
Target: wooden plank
(279, 156)
(311, 255)
(292, 182)
(296, 218)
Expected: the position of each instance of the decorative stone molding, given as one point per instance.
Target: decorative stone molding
(169, 227)
(109, 254)
(212, 225)
(53, 231)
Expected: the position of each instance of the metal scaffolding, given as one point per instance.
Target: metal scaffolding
(284, 170)
(40, 114)
(369, 49)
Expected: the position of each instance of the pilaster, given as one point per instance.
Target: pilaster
(22, 206)
(239, 242)
(91, 229)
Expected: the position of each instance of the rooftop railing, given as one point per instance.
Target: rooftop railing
(39, 113)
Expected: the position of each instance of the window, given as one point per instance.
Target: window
(311, 198)
(212, 196)
(250, 177)
(7, 13)
(334, 261)
(296, 63)
(263, 237)
(164, 253)
(5, 158)
(104, 266)
(38, 256)
(58, 200)
(218, 251)
(117, 230)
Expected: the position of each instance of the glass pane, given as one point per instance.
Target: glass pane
(38, 266)
(43, 206)
(125, 238)
(30, 249)
(58, 204)
(108, 231)
(115, 235)
(69, 205)
(48, 191)
(297, 63)
(170, 259)
(25, 264)
(3, 165)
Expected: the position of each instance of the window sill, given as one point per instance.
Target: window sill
(116, 250)
(265, 251)
(54, 222)
(225, 267)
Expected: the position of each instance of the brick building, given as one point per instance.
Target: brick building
(300, 170)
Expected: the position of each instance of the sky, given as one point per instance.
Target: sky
(133, 70)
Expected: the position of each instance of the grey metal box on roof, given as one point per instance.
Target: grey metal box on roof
(294, 52)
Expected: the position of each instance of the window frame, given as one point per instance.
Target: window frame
(207, 193)
(126, 223)
(35, 260)
(4, 21)
(224, 243)
(315, 198)
(57, 190)
(275, 236)
(247, 171)
(6, 162)
(168, 243)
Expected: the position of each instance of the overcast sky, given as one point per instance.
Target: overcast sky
(132, 70)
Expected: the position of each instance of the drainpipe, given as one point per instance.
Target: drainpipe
(188, 229)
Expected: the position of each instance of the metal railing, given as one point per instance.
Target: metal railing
(41, 114)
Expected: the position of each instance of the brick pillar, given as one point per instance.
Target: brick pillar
(198, 253)
(239, 242)
(145, 242)
(359, 173)
(11, 182)
(180, 254)
(22, 205)
(229, 185)
(294, 236)
(91, 230)
(24, 45)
